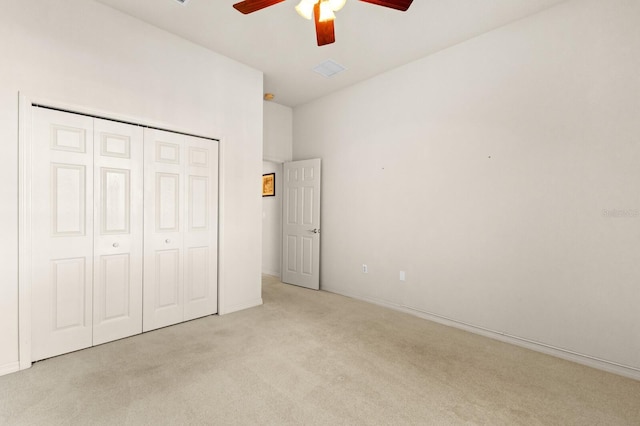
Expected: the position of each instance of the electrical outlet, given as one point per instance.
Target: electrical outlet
(365, 269)
(403, 276)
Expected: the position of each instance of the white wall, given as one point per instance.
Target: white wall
(489, 173)
(82, 53)
(272, 223)
(277, 149)
(278, 132)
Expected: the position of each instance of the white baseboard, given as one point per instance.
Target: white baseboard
(589, 361)
(241, 306)
(11, 367)
(272, 273)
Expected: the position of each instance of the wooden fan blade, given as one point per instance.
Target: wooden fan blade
(402, 5)
(249, 6)
(325, 32)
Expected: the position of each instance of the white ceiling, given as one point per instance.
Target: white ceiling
(369, 39)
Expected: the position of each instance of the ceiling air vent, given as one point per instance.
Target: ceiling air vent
(329, 68)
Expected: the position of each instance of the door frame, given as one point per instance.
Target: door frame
(25, 232)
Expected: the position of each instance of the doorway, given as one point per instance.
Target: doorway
(272, 223)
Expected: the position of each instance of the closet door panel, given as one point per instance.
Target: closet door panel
(118, 231)
(200, 238)
(163, 229)
(62, 221)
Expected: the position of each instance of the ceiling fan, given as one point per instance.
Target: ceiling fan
(322, 12)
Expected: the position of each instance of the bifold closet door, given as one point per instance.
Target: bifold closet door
(118, 238)
(86, 218)
(180, 262)
(201, 228)
(163, 211)
(62, 225)
(99, 191)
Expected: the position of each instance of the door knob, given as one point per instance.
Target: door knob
(315, 231)
(167, 241)
(116, 244)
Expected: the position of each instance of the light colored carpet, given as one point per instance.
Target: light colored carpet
(309, 357)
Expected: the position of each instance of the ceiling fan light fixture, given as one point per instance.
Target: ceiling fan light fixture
(336, 5)
(305, 8)
(326, 11)
(321, 11)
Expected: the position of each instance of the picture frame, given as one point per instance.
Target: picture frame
(269, 185)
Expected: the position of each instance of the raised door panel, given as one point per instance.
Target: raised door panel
(291, 251)
(115, 194)
(168, 278)
(68, 138)
(307, 267)
(116, 144)
(197, 274)
(164, 207)
(68, 285)
(307, 206)
(199, 207)
(118, 177)
(167, 202)
(68, 200)
(200, 238)
(61, 194)
(116, 283)
(291, 205)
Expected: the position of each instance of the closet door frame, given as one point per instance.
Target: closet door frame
(26, 102)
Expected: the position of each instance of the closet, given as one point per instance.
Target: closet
(124, 230)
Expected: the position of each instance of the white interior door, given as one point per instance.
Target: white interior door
(164, 233)
(62, 223)
(301, 224)
(118, 179)
(201, 233)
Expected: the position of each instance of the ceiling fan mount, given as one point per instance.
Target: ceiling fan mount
(322, 12)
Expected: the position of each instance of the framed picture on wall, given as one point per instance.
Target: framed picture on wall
(269, 185)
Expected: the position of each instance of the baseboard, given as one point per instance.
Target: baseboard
(272, 273)
(11, 367)
(241, 306)
(589, 361)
